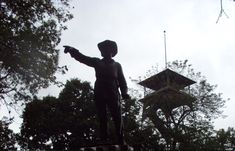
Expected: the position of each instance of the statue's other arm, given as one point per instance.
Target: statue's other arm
(80, 57)
(122, 83)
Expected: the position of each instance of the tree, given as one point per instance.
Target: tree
(225, 140)
(7, 137)
(186, 128)
(221, 140)
(64, 123)
(68, 122)
(37, 124)
(29, 34)
(79, 109)
(142, 137)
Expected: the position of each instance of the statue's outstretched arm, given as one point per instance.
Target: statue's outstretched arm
(90, 61)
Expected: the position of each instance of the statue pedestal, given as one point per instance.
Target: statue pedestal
(108, 148)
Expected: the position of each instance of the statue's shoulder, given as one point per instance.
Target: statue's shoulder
(118, 64)
(97, 59)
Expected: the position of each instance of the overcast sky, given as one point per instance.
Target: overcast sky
(137, 26)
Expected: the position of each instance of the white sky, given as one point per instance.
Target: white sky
(137, 26)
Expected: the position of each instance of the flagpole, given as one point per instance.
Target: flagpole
(165, 49)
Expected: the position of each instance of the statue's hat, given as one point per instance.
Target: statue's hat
(108, 45)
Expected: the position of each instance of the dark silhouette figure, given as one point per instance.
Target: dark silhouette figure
(109, 78)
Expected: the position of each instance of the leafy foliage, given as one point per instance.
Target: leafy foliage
(225, 140)
(65, 123)
(29, 33)
(141, 137)
(220, 140)
(7, 137)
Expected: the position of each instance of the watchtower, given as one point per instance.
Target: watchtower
(167, 95)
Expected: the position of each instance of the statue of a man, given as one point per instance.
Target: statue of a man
(109, 78)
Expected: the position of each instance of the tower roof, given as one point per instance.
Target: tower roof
(166, 78)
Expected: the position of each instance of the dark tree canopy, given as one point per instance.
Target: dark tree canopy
(7, 137)
(67, 122)
(29, 34)
(225, 139)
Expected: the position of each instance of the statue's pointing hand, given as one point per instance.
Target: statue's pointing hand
(71, 50)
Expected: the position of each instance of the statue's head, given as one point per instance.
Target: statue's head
(108, 48)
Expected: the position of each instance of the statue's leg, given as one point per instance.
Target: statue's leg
(102, 116)
(115, 110)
